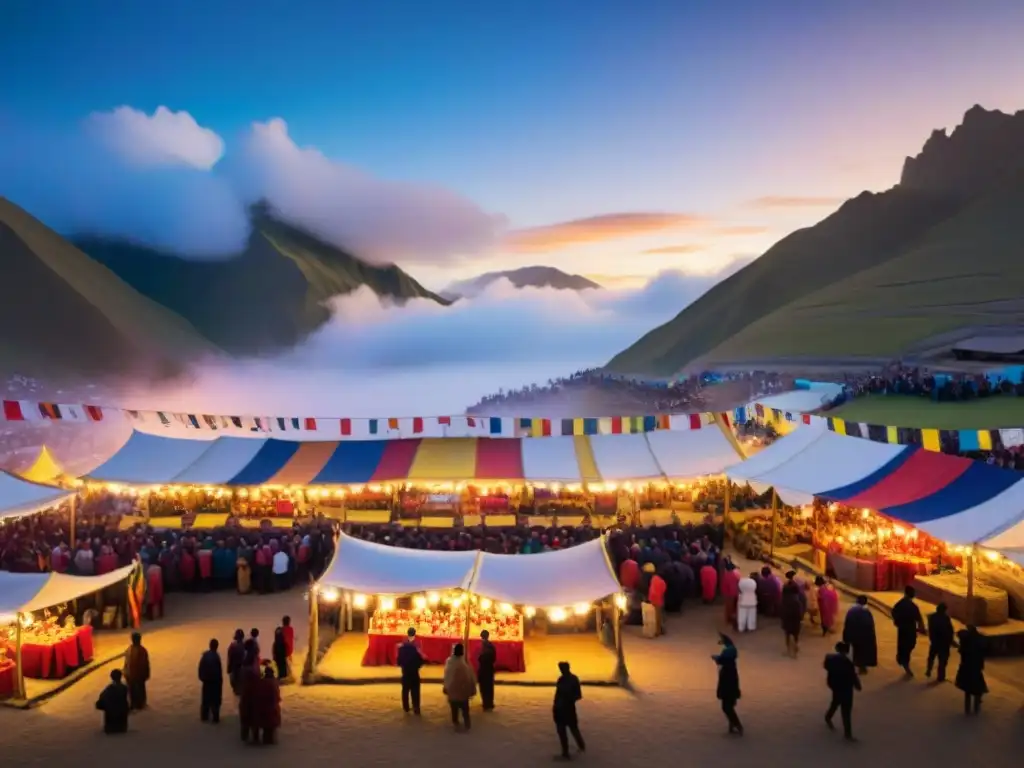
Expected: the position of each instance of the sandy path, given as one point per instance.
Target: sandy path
(673, 717)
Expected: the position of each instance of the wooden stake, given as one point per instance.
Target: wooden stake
(775, 515)
(18, 672)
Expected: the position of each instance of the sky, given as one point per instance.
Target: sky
(642, 145)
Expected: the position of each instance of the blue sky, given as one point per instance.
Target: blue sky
(544, 112)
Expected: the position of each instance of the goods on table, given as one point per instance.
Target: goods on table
(449, 624)
(991, 606)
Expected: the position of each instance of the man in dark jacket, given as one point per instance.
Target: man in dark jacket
(909, 623)
(842, 680)
(940, 640)
(211, 675)
(567, 693)
(409, 661)
(485, 674)
(113, 703)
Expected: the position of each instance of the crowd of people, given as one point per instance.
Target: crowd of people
(919, 382)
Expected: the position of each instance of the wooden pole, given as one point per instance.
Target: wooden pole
(313, 643)
(621, 671)
(969, 613)
(727, 510)
(775, 515)
(19, 674)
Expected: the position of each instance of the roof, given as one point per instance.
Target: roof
(994, 345)
(44, 469)
(26, 592)
(21, 497)
(240, 461)
(949, 497)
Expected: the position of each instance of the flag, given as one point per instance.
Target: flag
(12, 411)
(590, 426)
(392, 424)
(94, 412)
(49, 410)
(616, 425)
(311, 424)
(650, 423)
(373, 426)
(346, 427)
(296, 423)
(136, 594)
(495, 426)
(695, 421)
(566, 426)
(211, 421)
(985, 440)
(665, 421)
(193, 421)
(444, 420)
(470, 421)
(417, 425)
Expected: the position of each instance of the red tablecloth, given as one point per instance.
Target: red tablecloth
(6, 679)
(902, 572)
(57, 660)
(382, 651)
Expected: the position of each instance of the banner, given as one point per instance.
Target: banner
(334, 428)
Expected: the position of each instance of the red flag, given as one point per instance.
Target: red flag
(311, 424)
(616, 425)
(445, 420)
(346, 426)
(470, 421)
(12, 411)
(695, 421)
(545, 427)
(806, 418)
(94, 412)
(417, 425)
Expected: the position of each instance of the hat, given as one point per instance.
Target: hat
(649, 568)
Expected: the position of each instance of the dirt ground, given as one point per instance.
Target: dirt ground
(672, 716)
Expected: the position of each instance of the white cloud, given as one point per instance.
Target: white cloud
(165, 138)
(378, 219)
(423, 359)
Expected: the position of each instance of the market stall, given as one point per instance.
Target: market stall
(20, 497)
(38, 633)
(450, 597)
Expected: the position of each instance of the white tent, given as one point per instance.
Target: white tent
(800, 400)
(579, 574)
(150, 459)
(20, 497)
(224, 458)
(692, 453)
(27, 592)
(551, 459)
(624, 457)
(377, 569)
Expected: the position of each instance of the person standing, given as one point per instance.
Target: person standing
(746, 605)
(236, 656)
(656, 597)
(279, 652)
(409, 661)
(906, 616)
(567, 693)
(485, 670)
(842, 680)
(940, 641)
(970, 675)
(136, 672)
(731, 591)
(728, 691)
(280, 564)
(211, 675)
(113, 703)
(266, 707)
(288, 631)
(828, 605)
(791, 611)
(459, 685)
(859, 634)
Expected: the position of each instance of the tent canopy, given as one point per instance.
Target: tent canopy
(955, 499)
(154, 460)
(378, 569)
(580, 574)
(26, 592)
(20, 497)
(44, 469)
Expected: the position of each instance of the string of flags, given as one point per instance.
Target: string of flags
(356, 428)
(939, 440)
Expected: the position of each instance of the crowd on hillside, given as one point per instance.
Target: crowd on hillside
(918, 382)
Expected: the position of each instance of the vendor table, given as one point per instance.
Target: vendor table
(7, 669)
(55, 660)
(382, 651)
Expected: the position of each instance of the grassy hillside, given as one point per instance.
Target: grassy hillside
(864, 232)
(65, 313)
(269, 297)
(965, 272)
(991, 413)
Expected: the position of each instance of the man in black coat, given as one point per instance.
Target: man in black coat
(485, 675)
(409, 661)
(940, 641)
(842, 680)
(211, 675)
(859, 634)
(909, 623)
(113, 703)
(567, 693)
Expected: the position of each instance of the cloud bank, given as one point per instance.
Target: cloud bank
(375, 359)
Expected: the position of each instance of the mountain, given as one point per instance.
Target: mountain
(525, 277)
(269, 297)
(884, 272)
(64, 314)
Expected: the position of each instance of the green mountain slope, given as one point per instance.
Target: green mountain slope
(945, 192)
(524, 277)
(269, 297)
(64, 313)
(864, 232)
(964, 273)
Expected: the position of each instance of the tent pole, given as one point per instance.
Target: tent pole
(969, 614)
(775, 515)
(19, 682)
(309, 667)
(621, 671)
(726, 510)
